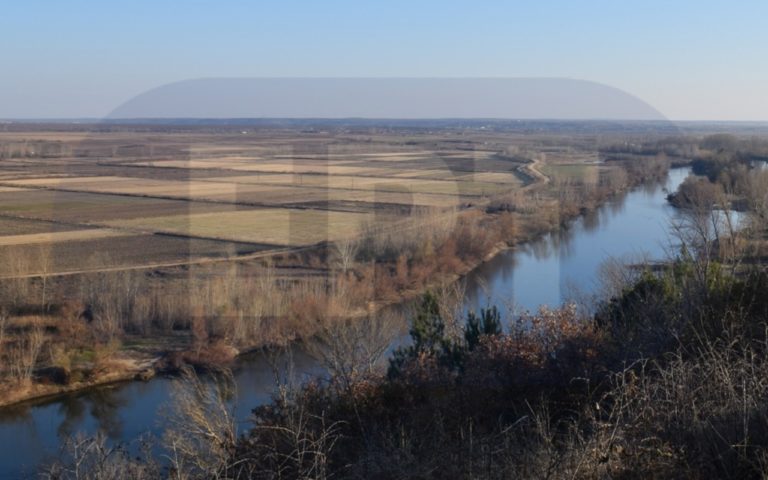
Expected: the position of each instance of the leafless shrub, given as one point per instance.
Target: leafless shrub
(615, 274)
(421, 233)
(700, 416)
(281, 363)
(92, 458)
(450, 298)
(201, 435)
(16, 290)
(756, 191)
(235, 304)
(346, 252)
(3, 325)
(113, 298)
(293, 443)
(25, 352)
(352, 348)
(707, 234)
(45, 266)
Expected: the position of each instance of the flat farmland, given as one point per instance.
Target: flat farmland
(138, 186)
(144, 196)
(83, 208)
(350, 182)
(145, 251)
(286, 166)
(23, 226)
(278, 226)
(573, 172)
(61, 236)
(436, 165)
(376, 200)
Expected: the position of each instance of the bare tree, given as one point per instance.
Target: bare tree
(346, 251)
(282, 365)
(93, 458)
(24, 355)
(707, 232)
(3, 326)
(299, 443)
(756, 189)
(450, 300)
(352, 347)
(113, 298)
(45, 265)
(16, 287)
(202, 432)
(616, 274)
(298, 447)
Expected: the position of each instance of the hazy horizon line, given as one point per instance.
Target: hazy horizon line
(133, 120)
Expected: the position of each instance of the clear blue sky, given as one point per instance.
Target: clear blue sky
(700, 60)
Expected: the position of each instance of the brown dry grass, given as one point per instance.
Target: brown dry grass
(55, 237)
(450, 187)
(277, 226)
(144, 186)
(83, 207)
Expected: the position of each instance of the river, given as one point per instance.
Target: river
(559, 267)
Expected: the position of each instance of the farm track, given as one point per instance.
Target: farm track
(540, 179)
(157, 265)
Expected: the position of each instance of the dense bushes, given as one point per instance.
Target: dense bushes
(442, 396)
(697, 193)
(658, 384)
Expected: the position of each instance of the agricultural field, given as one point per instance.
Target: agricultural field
(143, 196)
(278, 226)
(148, 252)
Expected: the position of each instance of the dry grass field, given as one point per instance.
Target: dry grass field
(80, 208)
(394, 183)
(55, 237)
(278, 226)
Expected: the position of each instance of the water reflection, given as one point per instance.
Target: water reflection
(15, 414)
(564, 265)
(592, 220)
(105, 406)
(73, 410)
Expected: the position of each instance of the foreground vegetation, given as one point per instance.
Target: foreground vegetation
(667, 379)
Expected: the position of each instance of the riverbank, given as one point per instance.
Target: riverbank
(125, 370)
(130, 365)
